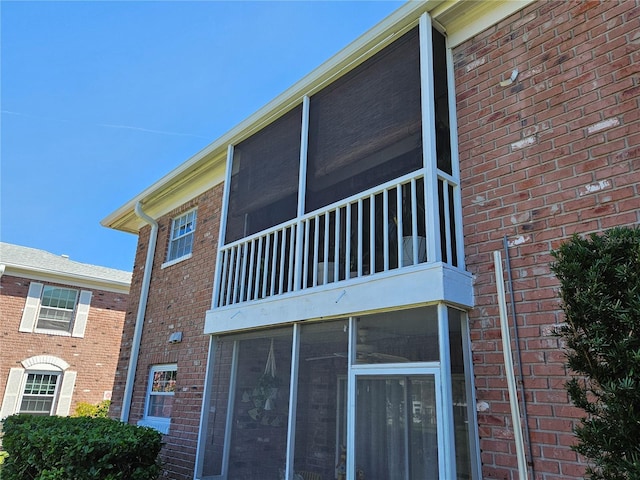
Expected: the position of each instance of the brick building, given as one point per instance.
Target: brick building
(315, 293)
(61, 331)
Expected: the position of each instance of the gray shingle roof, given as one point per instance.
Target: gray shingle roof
(27, 258)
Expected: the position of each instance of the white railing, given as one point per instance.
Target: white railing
(381, 229)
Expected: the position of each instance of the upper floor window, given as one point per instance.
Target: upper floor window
(57, 307)
(55, 310)
(160, 393)
(181, 240)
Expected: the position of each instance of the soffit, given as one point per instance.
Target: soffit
(460, 18)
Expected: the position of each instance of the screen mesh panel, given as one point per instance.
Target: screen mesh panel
(264, 180)
(365, 128)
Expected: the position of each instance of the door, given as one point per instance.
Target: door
(395, 426)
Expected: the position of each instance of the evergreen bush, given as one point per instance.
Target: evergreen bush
(78, 448)
(600, 291)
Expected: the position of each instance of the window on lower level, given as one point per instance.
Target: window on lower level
(160, 394)
(181, 240)
(39, 394)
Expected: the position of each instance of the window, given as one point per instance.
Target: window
(160, 392)
(39, 393)
(55, 310)
(41, 385)
(181, 242)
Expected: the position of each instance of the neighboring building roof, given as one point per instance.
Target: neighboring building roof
(38, 264)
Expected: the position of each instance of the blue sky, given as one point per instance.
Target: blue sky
(101, 99)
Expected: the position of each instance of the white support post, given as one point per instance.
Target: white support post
(448, 433)
(293, 401)
(432, 214)
(300, 262)
(223, 227)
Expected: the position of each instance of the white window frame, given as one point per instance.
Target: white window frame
(53, 396)
(161, 424)
(175, 236)
(48, 364)
(53, 292)
(32, 308)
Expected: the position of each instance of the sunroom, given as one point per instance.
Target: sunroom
(339, 345)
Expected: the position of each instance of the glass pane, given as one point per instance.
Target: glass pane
(398, 337)
(460, 401)
(160, 406)
(321, 409)
(36, 405)
(264, 179)
(164, 381)
(261, 406)
(54, 319)
(396, 428)
(59, 297)
(365, 128)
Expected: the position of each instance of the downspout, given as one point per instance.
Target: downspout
(516, 339)
(142, 307)
(508, 367)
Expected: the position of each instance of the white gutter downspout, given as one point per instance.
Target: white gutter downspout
(142, 307)
(508, 366)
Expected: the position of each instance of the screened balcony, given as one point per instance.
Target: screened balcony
(355, 183)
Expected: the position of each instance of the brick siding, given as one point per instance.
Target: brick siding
(552, 154)
(93, 357)
(179, 295)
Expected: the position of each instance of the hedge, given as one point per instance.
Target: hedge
(78, 448)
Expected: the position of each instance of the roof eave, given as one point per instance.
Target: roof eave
(73, 279)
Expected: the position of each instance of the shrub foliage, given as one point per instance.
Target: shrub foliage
(85, 409)
(600, 290)
(65, 448)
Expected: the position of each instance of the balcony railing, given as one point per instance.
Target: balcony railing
(373, 232)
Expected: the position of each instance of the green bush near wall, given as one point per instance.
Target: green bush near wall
(82, 448)
(600, 290)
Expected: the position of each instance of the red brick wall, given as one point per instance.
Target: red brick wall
(94, 357)
(180, 296)
(553, 154)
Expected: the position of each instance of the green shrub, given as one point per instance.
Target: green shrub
(600, 290)
(78, 448)
(99, 410)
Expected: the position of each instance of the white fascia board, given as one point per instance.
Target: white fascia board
(464, 19)
(436, 283)
(75, 280)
